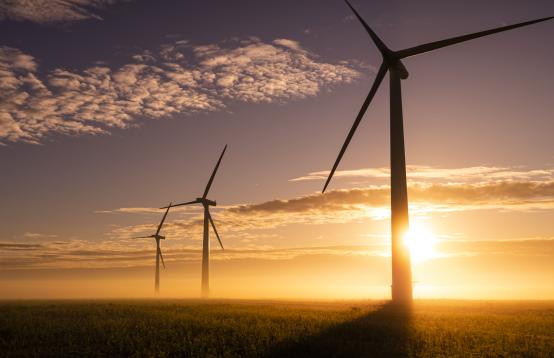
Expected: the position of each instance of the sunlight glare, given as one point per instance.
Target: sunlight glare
(421, 243)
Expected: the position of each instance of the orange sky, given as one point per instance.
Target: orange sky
(103, 120)
(485, 234)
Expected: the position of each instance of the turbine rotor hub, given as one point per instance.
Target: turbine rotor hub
(395, 64)
(207, 202)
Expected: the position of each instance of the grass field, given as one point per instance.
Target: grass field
(276, 329)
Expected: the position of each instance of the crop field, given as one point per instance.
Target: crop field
(218, 328)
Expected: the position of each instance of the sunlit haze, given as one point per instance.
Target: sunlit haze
(111, 110)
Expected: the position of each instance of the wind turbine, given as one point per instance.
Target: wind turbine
(159, 255)
(392, 63)
(206, 203)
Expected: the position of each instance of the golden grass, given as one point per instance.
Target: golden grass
(276, 329)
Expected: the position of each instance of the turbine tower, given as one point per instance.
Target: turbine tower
(392, 63)
(206, 203)
(159, 255)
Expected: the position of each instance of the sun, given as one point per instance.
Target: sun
(420, 242)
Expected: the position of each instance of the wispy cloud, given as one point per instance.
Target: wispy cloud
(38, 236)
(178, 79)
(118, 254)
(421, 172)
(49, 11)
(148, 210)
(534, 246)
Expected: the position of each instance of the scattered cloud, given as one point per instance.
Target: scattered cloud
(50, 11)
(179, 79)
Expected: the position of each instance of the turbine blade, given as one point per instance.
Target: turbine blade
(380, 75)
(142, 237)
(215, 230)
(455, 40)
(161, 257)
(213, 174)
(380, 45)
(163, 219)
(187, 203)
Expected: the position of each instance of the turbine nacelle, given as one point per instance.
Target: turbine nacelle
(395, 64)
(206, 202)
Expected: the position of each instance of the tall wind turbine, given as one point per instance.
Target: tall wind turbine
(392, 63)
(159, 255)
(206, 203)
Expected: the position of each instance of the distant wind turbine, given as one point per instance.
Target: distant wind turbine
(401, 265)
(207, 218)
(159, 255)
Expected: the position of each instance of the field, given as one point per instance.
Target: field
(276, 329)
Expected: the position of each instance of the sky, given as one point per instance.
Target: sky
(111, 109)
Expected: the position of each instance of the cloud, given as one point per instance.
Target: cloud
(250, 229)
(18, 246)
(339, 206)
(110, 254)
(50, 11)
(336, 200)
(288, 43)
(497, 194)
(536, 246)
(178, 79)
(78, 254)
(16, 60)
(256, 225)
(147, 210)
(356, 204)
(421, 172)
(15, 70)
(38, 236)
(503, 188)
(466, 189)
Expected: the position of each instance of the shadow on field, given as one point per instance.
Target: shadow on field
(380, 333)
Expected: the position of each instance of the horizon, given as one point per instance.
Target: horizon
(105, 120)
